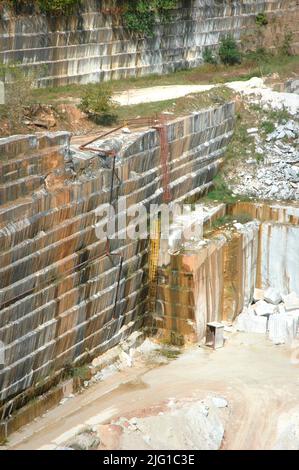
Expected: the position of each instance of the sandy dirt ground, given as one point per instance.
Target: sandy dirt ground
(157, 93)
(257, 378)
(255, 89)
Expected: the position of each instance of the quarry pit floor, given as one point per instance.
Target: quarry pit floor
(259, 380)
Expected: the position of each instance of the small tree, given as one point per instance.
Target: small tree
(98, 104)
(18, 94)
(285, 48)
(228, 51)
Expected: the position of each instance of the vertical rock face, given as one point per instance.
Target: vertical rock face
(213, 278)
(92, 45)
(278, 257)
(59, 302)
(208, 280)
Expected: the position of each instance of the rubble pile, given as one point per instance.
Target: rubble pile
(182, 425)
(273, 314)
(274, 174)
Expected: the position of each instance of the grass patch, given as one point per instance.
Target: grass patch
(221, 191)
(170, 353)
(280, 116)
(178, 107)
(82, 372)
(241, 218)
(228, 219)
(268, 127)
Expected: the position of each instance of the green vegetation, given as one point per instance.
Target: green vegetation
(208, 56)
(58, 7)
(205, 74)
(242, 218)
(228, 51)
(221, 191)
(285, 48)
(261, 19)
(140, 15)
(18, 94)
(268, 127)
(97, 103)
(51, 7)
(169, 352)
(178, 107)
(83, 372)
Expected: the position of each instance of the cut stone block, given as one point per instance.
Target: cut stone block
(252, 324)
(263, 308)
(272, 296)
(259, 294)
(291, 301)
(282, 328)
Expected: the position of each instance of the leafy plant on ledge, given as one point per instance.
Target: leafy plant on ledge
(140, 16)
(49, 7)
(98, 104)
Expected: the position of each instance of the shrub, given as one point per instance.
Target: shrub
(52, 7)
(268, 127)
(98, 104)
(261, 19)
(286, 45)
(58, 7)
(228, 51)
(140, 15)
(18, 94)
(208, 56)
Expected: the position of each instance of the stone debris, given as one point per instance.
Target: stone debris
(277, 315)
(264, 308)
(196, 425)
(257, 92)
(291, 301)
(288, 431)
(253, 130)
(84, 441)
(249, 323)
(283, 328)
(259, 294)
(220, 402)
(272, 172)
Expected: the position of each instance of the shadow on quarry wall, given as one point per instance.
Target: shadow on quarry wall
(94, 46)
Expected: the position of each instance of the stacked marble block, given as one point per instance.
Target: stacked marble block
(58, 287)
(92, 45)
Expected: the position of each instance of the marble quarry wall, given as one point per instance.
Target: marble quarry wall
(93, 45)
(278, 256)
(59, 301)
(213, 278)
(209, 280)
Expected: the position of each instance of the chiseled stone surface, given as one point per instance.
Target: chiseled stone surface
(57, 286)
(208, 280)
(92, 45)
